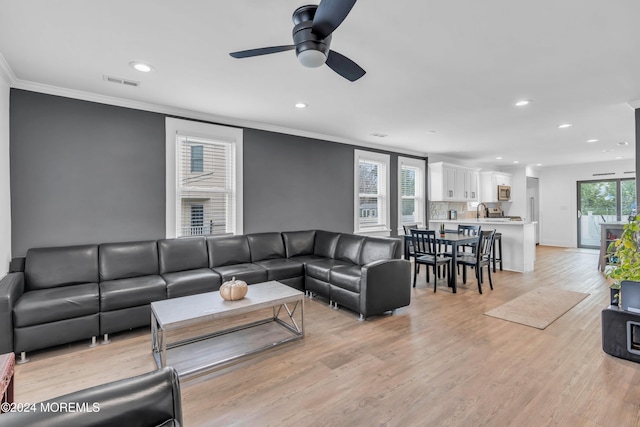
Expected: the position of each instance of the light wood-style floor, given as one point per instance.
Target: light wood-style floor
(438, 362)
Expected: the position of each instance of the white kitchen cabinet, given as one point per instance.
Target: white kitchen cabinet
(452, 183)
(489, 182)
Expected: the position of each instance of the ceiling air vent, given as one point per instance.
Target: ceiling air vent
(630, 172)
(604, 174)
(120, 81)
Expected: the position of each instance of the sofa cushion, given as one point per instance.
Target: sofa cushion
(325, 243)
(348, 248)
(266, 246)
(250, 273)
(282, 268)
(124, 293)
(228, 250)
(306, 259)
(182, 283)
(347, 277)
(298, 243)
(182, 254)
(51, 305)
(52, 267)
(322, 269)
(378, 248)
(130, 259)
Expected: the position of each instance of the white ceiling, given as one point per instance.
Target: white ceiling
(454, 67)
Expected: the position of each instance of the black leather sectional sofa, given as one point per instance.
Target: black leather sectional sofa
(151, 399)
(65, 294)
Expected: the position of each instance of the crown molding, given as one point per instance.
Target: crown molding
(6, 73)
(197, 115)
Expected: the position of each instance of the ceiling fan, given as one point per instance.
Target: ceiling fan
(312, 38)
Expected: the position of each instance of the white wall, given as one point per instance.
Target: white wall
(559, 200)
(5, 199)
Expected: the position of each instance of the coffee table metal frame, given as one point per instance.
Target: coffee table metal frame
(205, 309)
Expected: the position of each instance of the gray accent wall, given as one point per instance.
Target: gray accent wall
(5, 179)
(83, 172)
(295, 183)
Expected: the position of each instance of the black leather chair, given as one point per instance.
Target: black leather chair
(57, 292)
(129, 281)
(480, 259)
(151, 399)
(268, 252)
(230, 256)
(425, 247)
(184, 265)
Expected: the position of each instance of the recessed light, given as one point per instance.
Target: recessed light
(592, 140)
(608, 150)
(516, 162)
(301, 105)
(141, 66)
(623, 143)
(565, 125)
(619, 157)
(498, 158)
(431, 131)
(538, 164)
(379, 135)
(523, 103)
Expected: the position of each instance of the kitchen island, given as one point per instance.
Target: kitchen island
(518, 239)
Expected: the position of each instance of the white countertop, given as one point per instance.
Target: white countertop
(490, 221)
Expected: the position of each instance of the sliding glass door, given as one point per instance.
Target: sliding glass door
(600, 202)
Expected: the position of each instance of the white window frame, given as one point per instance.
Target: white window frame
(383, 228)
(420, 197)
(175, 127)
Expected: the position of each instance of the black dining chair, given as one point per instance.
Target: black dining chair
(469, 230)
(425, 249)
(407, 233)
(481, 258)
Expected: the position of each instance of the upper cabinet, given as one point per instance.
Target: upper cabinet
(489, 182)
(451, 183)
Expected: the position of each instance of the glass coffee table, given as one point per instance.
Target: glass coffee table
(203, 332)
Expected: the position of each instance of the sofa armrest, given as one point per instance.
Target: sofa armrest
(385, 285)
(150, 399)
(11, 288)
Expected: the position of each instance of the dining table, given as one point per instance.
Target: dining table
(455, 240)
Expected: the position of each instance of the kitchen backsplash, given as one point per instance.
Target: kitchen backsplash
(440, 210)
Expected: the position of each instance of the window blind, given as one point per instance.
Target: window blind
(372, 197)
(205, 189)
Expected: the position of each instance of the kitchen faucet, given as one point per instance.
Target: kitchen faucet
(486, 210)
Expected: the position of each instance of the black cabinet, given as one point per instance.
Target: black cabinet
(621, 333)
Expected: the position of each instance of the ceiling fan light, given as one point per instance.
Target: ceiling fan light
(312, 58)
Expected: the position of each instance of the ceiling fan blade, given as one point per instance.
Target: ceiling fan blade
(330, 15)
(262, 51)
(344, 66)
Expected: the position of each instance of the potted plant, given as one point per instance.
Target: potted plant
(625, 258)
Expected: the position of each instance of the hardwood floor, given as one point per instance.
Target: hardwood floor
(438, 362)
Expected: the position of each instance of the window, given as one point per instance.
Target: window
(371, 193)
(411, 194)
(197, 159)
(197, 220)
(204, 179)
